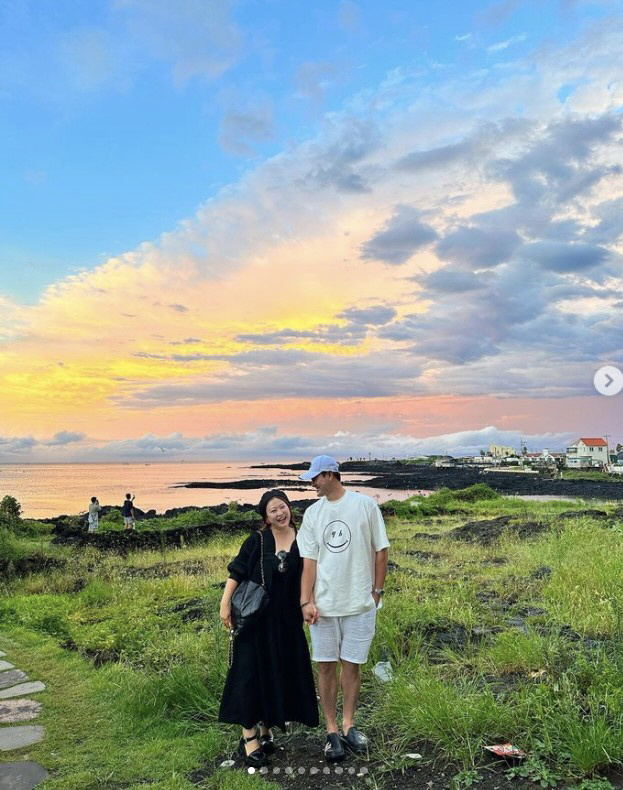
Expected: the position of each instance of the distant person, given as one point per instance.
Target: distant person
(129, 519)
(270, 680)
(344, 547)
(94, 509)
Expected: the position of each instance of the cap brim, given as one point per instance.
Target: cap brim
(307, 475)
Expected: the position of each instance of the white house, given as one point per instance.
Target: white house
(587, 452)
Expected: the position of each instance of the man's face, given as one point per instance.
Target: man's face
(321, 483)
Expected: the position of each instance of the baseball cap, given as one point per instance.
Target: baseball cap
(321, 463)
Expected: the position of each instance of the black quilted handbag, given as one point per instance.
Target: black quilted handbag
(249, 599)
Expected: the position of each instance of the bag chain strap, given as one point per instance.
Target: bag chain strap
(262, 558)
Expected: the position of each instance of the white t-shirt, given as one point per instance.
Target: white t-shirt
(343, 537)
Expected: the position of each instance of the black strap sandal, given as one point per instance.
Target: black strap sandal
(267, 743)
(256, 759)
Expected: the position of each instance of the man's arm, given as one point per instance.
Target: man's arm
(308, 581)
(380, 570)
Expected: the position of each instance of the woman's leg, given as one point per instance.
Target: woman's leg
(254, 743)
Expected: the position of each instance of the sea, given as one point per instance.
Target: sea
(49, 490)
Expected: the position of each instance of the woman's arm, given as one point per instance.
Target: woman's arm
(308, 581)
(225, 611)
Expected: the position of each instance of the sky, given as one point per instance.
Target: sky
(269, 229)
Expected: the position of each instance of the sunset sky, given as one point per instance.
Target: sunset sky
(267, 228)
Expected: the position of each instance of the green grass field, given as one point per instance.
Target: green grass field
(518, 640)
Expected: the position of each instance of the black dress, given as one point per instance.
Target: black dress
(270, 679)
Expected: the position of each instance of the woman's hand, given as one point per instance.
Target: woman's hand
(310, 613)
(225, 614)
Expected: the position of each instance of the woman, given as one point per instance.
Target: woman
(94, 509)
(270, 680)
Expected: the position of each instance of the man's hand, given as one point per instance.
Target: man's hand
(377, 598)
(310, 613)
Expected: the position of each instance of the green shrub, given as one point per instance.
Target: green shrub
(111, 520)
(9, 549)
(10, 510)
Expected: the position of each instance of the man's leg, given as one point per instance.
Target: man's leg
(351, 683)
(358, 631)
(327, 689)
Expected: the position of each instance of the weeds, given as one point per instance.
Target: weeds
(464, 676)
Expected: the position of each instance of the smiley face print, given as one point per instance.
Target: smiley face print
(336, 536)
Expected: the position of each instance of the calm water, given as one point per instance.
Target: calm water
(46, 490)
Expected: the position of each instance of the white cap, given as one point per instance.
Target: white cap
(321, 463)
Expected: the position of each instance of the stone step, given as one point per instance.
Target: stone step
(14, 710)
(6, 665)
(19, 737)
(21, 776)
(22, 688)
(11, 677)
(2, 653)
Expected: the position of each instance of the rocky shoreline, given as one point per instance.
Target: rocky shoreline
(401, 477)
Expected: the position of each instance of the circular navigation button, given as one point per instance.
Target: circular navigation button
(608, 380)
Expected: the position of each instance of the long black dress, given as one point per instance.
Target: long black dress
(270, 679)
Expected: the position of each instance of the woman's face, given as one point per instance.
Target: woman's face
(277, 513)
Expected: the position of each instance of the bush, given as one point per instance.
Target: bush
(10, 512)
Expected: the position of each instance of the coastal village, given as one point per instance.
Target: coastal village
(586, 453)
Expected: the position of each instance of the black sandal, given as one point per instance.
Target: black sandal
(267, 743)
(256, 759)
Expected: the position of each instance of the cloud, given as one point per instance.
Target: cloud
(242, 127)
(313, 78)
(268, 442)
(451, 280)
(559, 257)
(559, 164)
(350, 335)
(401, 236)
(377, 315)
(197, 37)
(14, 445)
(478, 247)
(437, 157)
(502, 45)
(359, 320)
(336, 160)
(259, 375)
(349, 15)
(508, 229)
(65, 437)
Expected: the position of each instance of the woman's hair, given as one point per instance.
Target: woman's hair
(274, 493)
(93, 499)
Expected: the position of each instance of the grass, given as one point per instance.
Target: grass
(519, 640)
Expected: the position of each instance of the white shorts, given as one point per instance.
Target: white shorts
(348, 638)
(128, 521)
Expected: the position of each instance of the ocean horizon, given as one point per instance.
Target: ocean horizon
(46, 490)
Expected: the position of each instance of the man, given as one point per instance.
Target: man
(129, 519)
(344, 546)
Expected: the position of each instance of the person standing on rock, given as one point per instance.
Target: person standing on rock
(344, 546)
(94, 509)
(129, 520)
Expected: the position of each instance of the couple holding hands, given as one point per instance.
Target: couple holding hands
(329, 574)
